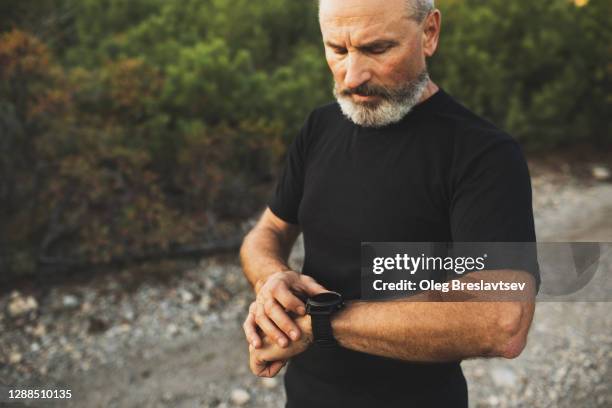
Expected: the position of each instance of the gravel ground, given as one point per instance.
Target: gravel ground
(169, 334)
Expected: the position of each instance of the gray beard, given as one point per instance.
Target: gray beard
(391, 109)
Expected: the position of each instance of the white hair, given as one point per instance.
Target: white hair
(418, 9)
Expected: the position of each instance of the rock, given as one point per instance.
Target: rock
(600, 173)
(269, 382)
(35, 347)
(239, 396)
(20, 305)
(205, 302)
(70, 301)
(128, 313)
(197, 319)
(186, 296)
(172, 329)
(167, 396)
(479, 372)
(86, 307)
(560, 374)
(503, 377)
(15, 358)
(39, 330)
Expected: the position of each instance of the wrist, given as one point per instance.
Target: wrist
(305, 325)
(262, 281)
(258, 284)
(338, 322)
(322, 307)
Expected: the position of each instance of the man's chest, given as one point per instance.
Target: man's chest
(362, 190)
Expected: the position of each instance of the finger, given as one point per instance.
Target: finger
(261, 367)
(290, 301)
(273, 368)
(250, 331)
(269, 328)
(311, 286)
(281, 319)
(256, 364)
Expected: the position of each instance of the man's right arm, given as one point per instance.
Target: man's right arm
(266, 248)
(264, 256)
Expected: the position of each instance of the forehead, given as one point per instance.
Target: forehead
(363, 20)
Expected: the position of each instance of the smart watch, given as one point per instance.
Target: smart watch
(320, 308)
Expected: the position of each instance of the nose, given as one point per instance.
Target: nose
(357, 71)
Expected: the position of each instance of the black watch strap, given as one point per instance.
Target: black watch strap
(322, 330)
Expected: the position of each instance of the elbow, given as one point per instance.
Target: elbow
(242, 251)
(513, 347)
(511, 327)
(244, 244)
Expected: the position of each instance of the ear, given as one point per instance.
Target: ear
(431, 32)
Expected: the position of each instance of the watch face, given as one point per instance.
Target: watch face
(325, 299)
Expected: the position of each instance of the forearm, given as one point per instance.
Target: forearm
(265, 251)
(432, 331)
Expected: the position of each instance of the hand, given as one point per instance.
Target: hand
(269, 359)
(276, 296)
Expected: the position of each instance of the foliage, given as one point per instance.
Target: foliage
(540, 69)
(126, 126)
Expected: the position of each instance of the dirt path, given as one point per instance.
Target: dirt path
(565, 364)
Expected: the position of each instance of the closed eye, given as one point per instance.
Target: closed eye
(378, 47)
(375, 50)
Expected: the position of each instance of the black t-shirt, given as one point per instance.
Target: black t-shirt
(441, 174)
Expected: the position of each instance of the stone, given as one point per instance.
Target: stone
(39, 330)
(205, 302)
(86, 307)
(503, 377)
(239, 396)
(186, 296)
(269, 382)
(197, 319)
(600, 173)
(15, 358)
(20, 305)
(70, 301)
(172, 329)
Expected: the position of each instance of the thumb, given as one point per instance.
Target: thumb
(310, 286)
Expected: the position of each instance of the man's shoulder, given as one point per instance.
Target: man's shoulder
(324, 118)
(325, 113)
(469, 126)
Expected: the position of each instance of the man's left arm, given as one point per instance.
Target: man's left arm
(422, 331)
(464, 324)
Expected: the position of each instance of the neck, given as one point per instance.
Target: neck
(430, 89)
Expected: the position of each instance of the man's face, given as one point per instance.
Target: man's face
(377, 57)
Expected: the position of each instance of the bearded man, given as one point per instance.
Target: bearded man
(394, 159)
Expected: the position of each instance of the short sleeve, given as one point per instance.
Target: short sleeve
(287, 196)
(491, 200)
